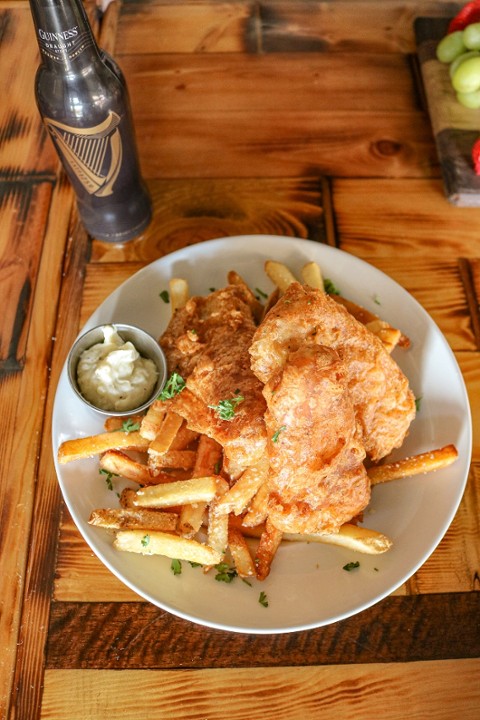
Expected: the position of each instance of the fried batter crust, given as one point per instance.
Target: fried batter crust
(207, 343)
(317, 479)
(383, 402)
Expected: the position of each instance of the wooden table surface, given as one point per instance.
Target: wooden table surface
(289, 117)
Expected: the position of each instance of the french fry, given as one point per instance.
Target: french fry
(240, 553)
(207, 462)
(312, 275)
(127, 497)
(258, 508)
(267, 547)
(237, 497)
(173, 546)
(152, 420)
(389, 336)
(415, 465)
(79, 448)
(134, 519)
(182, 459)
(179, 293)
(118, 463)
(217, 528)
(177, 493)
(353, 537)
(170, 426)
(279, 274)
(184, 439)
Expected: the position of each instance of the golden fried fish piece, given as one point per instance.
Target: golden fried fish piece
(383, 402)
(207, 343)
(317, 480)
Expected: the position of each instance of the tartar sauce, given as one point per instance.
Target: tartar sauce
(112, 375)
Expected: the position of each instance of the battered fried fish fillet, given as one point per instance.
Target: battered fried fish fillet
(317, 479)
(207, 342)
(383, 403)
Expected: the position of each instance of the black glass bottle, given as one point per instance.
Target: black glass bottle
(83, 99)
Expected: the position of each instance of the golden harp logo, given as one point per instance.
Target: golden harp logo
(93, 154)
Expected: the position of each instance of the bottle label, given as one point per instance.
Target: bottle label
(93, 154)
(68, 43)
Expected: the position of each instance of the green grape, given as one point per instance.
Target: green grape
(467, 76)
(460, 59)
(471, 36)
(450, 47)
(470, 100)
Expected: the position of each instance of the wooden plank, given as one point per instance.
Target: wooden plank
(408, 219)
(447, 690)
(188, 111)
(281, 25)
(53, 320)
(20, 204)
(280, 83)
(188, 211)
(261, 143)
(24, 145)
(152, 28)
(22, 398)
(140, 635)
(300, 25)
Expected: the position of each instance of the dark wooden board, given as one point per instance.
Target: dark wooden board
(455, 128)
(139, 635)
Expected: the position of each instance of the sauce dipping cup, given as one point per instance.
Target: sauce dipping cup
(144, 343)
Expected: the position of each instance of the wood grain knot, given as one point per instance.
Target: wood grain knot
(387, 148)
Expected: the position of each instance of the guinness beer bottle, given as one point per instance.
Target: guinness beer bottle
(83, 99)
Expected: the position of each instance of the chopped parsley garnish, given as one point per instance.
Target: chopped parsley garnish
(225, 573)
(276, 434)
(176, 567)
(226, 408)
(108, 477)
(217, 468)
(173, 386)
(263, 600)
(165, 296)
(376, 299)
(418, 403)
(351, 566)
(261, 293)
(330, 288)
(145, 540)
(129, 426)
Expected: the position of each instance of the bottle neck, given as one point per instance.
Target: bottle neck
(64, 35)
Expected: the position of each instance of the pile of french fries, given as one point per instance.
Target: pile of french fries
(185, 507)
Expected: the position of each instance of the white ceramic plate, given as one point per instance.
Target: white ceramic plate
(308, 586)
